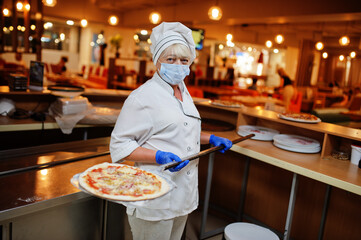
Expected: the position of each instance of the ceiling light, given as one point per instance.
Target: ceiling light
(229, 37)
(38, 16)
(230, 43)
(352, 54)
(341, 58)
(49, 3)
(268, 43)
(325, 55)
(155, 17)
(215, 13)
(6, 12)
(84, 22)
(319, 46)
(33, 27)
(48, 25)
(62, 36)
(344, 41)
(19, 6)
(144, 32)
(220, 46)
(276, 50)
(113, 20)
(27, 7)
(70, 22)
(279, 39)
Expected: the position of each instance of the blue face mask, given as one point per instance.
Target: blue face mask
(173, 73)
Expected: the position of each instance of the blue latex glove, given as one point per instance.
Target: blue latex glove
(167, 157)
(218, 141)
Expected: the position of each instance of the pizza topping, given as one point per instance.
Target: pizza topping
(118, 181)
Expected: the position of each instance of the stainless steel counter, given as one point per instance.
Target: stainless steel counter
(42, 203)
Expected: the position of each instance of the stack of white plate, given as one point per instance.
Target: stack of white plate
(261, 133)
(296, 143)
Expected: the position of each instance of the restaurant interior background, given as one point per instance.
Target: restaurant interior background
(251, 24)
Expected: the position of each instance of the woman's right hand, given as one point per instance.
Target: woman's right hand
(167, 157)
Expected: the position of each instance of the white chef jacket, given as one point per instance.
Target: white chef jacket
(152, 117)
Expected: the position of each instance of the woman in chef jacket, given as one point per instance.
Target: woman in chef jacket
(159, 124)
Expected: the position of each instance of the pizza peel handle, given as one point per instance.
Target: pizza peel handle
(207, 151)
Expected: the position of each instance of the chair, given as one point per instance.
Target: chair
(246, 231)
(319, 100)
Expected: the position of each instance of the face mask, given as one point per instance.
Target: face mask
(173, 73)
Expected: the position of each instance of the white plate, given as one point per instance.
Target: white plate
(298, 120)
(299, 150)
(296, 141)
(261, 133)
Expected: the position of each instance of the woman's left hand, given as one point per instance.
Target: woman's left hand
(219, 141)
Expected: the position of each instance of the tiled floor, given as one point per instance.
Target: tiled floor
(193, 226)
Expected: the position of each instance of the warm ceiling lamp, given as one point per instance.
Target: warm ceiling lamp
(49, 3)
(352, 54)
(113, 20)
(229, 37)
(19, 6)
(27, 7)
(325, 55)
(268, 43)
(319, 46)
(6, 12)
(84, 22)
(279, 39)
(341, 58)
(70, 22)
(215, 13)
(155, 17)
(344, 40)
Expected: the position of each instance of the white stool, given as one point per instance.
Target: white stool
(248, 231)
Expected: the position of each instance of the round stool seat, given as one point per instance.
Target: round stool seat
(248, 231)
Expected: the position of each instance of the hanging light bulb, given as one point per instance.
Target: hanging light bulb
(319, 46)
(215, 13)
(268, 43)
(344, 40)
(27, 7)
(49, 3)
(325, 55)
(279, 39)
(229, 37)
(155, 17)
(353, 54)
(84, 22)
(19, 6)
(6, 12)
(341, 58)
(113, 20)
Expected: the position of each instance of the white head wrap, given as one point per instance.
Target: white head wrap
(169, 33)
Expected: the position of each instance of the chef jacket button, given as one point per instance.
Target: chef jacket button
(197, 143)
(185, 123)
(189, 172)
(197, 165)
(189, 148)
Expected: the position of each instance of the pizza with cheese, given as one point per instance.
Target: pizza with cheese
(122, 182)
(300, 117)
(225, 103)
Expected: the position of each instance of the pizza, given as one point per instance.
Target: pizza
(122, 182)
(300, 117)
(225, 103)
